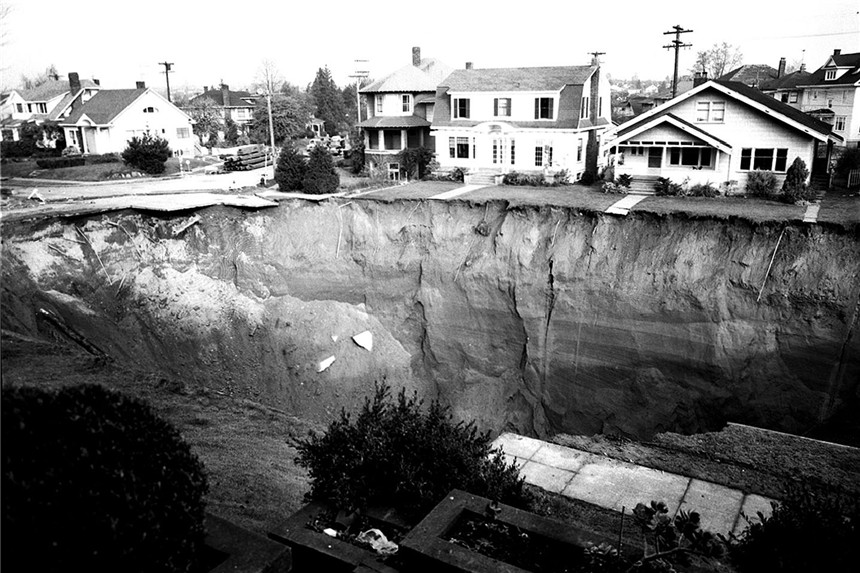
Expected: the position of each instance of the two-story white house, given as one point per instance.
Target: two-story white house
(498, 120)
(401, 108)
(718, 132)
(107, 121)
(832, 94)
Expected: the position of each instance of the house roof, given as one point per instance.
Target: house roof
(62, 105)
(788, 81)
(778, 106)
(403, 121)
(235, 98)
(51, 89)
(517, 79)
(105, 105)
(422, 78)
(841, 60)
(682, 124)
(751, 74)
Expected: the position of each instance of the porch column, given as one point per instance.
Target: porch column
(381, 144)
(366, 134)
(402, 139)
(421, 138)
(83, 137)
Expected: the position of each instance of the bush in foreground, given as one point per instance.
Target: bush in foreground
(794, 188)
(761, 184)
(147, 153)
(290, 170)
(320, 177)
(95, 481)
(396, 452)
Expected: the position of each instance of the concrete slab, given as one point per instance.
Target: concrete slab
(623, 206)
(549, 478)
(612, 484)
(569, 459)
(517, 445)
(811, 214)
(752, 505)
(457, 192)
(717, 505)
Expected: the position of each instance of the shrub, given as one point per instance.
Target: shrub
(415, 160)
(807, 532)
(666, 187)
(104, 158)
(587, 178)
(703, 190)
(397, 453)
(96, 479)
(147, 153)
(761, 184)
(614, 188)
(562, 178)
(526, 179)
(625, 180)
(57, 162)
(848, 160)
(20, 148)
(71, 150)
(320, 177)
(357, 156)
(290, 170)
(794, 188)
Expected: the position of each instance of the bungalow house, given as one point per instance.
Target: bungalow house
(400, 110)
(107, 121)
(718, 132)
(498, 120)
(238, 105)
(832, 94)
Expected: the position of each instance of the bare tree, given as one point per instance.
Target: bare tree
(269, 78)
(718, 60)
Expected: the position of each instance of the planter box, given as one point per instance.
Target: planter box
(230, 548)
(314, 551)
(426, 548)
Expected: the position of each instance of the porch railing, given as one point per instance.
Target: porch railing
(854, 177)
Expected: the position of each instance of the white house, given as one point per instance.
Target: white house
(718, 132)
(108, 120)
(832, 94)
(499, 120)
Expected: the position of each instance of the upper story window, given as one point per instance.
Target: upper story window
(407, 102)
(585, 106)
(150, 109)
(41, 108)
(543, 108)
(792, 97)
(839, 123)
(710, 111)
(19, 107)
(502, 107)
(461, 108)
(379, 100)
(830, 75)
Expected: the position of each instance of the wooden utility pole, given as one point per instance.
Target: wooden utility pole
(676, 45)
(167, 66)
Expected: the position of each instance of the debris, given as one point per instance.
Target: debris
(325, 364)
(364, 339)
(181, 228)
(334, 337)
(330, 532)
(36, 196)
(377, 540)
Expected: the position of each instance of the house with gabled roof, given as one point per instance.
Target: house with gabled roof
(108, 120)
(237, 105)
(718, 133)
(401, 108)
(753, 75)
(832, 94)
(497, 120)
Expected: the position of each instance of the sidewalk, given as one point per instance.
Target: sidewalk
(614, 484)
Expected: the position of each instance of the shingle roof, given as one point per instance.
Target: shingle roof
(517, 79)
(404, 121)
(235, 98)
(841, 60)
(61, 105)
(51, 89)
(787, 81)
(105, 105)
(422, 78)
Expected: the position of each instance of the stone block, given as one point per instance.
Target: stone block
(516, 445)
(717, 505)
(561, 457)
(547, 477)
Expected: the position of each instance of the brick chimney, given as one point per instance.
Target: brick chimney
(141, 85)
(781, 70)
(837, 51)
(699, 78)
(802, 66)
(97, 82)
(74, 82)
(225, 95)
(416, 56)
(468, 65)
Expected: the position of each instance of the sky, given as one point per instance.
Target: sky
(120, 43)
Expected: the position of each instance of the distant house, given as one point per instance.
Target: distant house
(718, 132)
(499, 120)
(753, 75)
(238, 105)
(46, 102)
(108, 120)
(832, 94)
(400, 110)
(788, 87)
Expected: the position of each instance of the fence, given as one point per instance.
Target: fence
(854, 177)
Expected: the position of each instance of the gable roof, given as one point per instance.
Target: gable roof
(422, 78)
(51, 89)
(842, 61)
(788, 81)
(235, 98)
(779, 107)
(683, 125)
(105, 105)
(751, 74)
(517, 79)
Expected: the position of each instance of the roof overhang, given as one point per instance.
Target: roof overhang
(676, 122)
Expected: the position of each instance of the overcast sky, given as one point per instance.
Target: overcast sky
(122, 42)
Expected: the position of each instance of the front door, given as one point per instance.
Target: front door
(655, 157)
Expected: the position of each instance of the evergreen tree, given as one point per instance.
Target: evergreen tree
(147, 153)
(231, 132)
(794, 187)
(321, 177)
(328, 101)
(290, 170)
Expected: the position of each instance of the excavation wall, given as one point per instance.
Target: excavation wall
(538, 320)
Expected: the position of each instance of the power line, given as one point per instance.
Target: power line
(167, 66)
(676, 45)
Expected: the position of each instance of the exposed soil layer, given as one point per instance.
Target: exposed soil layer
(532, 319)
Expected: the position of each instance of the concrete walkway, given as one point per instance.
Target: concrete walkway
(623, 206)
(614, 484)
(457, 192)
(811, 214)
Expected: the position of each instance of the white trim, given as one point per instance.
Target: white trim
(696, 131)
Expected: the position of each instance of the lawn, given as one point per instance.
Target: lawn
(89, 172)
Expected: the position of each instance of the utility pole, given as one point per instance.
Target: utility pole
(676, 45)
(595, 57)
(359, 75)
(167, 66)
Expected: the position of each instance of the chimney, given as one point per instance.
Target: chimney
(141, 85)
(416, 56)
(781, 71)
(837, 51)
(97, 82)
(803, 66)
(74, 82)
(468, 65)
(225, 95)
(699, 78)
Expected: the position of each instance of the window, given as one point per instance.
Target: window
(379, 100)
(183, 132)
(394, 171)
(458, 147)
(830, 75)
(784, 97)
(767, 159)
(19, 107)
(513, 152)
(29, 108)
(149, 109)
(502, 107)
(839, 123)
(543, 108)
(690, 156)
(599, 106)
(461, 108)
(41, 108)
(792, 97)
(584, 105)
(407, 102)
(579, 150)
(543, 154)
(710, 111)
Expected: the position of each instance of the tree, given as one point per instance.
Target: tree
(718, 60)
(30, 82)
(268, 77)
(320, 178)
(328, 101)
(291, 169)
(207, 119)
(289, 118)
(794, 187)
(231, 132)
(415, 160)
(147, 153)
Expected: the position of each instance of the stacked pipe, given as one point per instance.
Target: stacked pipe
(248, 157)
